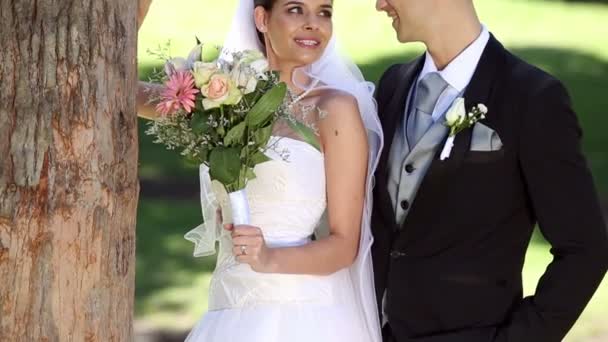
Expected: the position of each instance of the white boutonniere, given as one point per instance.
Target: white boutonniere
(457, 120)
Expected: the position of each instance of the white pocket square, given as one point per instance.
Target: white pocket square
(485, 139)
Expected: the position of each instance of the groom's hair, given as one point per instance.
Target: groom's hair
(267, 4)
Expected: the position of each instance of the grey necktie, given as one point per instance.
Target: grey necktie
(420, 119)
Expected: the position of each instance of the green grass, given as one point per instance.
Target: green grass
(565, 39)
(595, 317)
(171, 286)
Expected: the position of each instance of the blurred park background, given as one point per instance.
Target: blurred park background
(566, 38)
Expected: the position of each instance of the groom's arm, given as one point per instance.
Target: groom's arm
(562, 195)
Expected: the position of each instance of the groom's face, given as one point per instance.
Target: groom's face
(409, 17)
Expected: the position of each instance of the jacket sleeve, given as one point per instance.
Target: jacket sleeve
(386, 86)
(563, 199)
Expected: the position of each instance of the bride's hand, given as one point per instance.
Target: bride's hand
(250, 248)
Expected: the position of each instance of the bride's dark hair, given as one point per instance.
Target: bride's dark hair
(267, 4)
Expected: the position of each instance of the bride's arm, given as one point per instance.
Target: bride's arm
(145, 92)
(346, 151)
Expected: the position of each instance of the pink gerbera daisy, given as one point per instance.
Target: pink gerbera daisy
(179, 93)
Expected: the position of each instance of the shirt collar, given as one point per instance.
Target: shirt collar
(460, 71)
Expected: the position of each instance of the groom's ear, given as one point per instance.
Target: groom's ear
(261, 18)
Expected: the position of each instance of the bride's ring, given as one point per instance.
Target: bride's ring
(243, 250)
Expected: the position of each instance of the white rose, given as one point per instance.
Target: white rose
(260, 67)
(456, 113)
(245, 79)
(221, 90)
(250, 86)
(249, 68)
(202, 73)
(250, 56)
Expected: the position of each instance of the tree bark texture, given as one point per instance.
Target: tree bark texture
(68, 169)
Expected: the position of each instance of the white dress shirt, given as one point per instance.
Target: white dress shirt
(458, 73)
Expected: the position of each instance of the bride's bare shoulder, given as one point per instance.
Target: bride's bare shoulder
(334, 101)
(341, 118)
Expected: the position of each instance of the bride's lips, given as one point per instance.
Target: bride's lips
(308, 43)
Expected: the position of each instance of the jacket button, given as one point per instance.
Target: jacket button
(405, 205)
(397, 254)
(409, 168)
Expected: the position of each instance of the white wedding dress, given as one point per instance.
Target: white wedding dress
(287, 200)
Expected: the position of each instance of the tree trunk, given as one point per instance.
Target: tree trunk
(68, 169)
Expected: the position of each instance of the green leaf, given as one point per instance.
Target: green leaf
(267, 105)
(262, 135)
(258, 158)
(225, 164)
(262, 84)
(306, 133)
(250, 174)
(235, 134)
(200, 158)
(193, 161)
(199, 123)
(249, 98)
(220, 130)
(203, 155)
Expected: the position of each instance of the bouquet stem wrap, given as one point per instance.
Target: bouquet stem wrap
(240, 207)
(208, 233)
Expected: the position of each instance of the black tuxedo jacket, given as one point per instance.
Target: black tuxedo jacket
(452, 271)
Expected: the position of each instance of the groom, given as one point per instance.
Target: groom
(451, 235)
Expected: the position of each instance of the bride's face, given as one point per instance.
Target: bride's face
(296, 32)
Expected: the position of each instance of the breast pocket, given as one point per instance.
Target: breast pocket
(481, 157)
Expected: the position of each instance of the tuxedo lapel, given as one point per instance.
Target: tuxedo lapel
(478, 91)
(392, 116)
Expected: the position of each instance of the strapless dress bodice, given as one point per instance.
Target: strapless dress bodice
(286, 200)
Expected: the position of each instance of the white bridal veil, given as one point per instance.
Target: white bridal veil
(335, 71)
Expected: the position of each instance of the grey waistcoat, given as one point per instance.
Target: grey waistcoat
(407, 167)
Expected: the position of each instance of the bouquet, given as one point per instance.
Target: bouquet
(220, 114)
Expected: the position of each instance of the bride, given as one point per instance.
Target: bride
(273, 282)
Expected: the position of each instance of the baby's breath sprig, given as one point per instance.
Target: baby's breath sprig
(457, 120)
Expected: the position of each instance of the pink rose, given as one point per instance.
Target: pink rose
(220, 90)
(217, 87)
